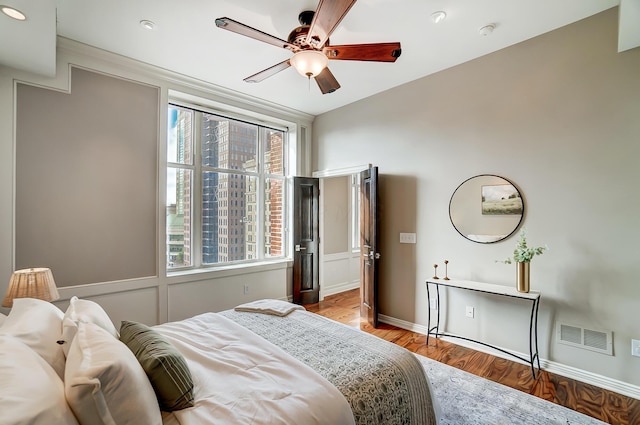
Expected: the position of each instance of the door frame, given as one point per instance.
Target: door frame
(335, 172)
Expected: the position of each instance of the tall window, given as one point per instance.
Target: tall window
(225, 190)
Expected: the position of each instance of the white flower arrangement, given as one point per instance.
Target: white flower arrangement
(522, 253)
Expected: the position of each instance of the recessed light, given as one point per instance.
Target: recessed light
(13, 13)
(146, 24)
(438, 16)
(487, 29)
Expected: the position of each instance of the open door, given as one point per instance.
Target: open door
(306, 221)
(369, 245)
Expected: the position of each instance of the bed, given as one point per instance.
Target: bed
(267, 362)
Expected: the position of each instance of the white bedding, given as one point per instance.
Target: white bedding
(240, 378)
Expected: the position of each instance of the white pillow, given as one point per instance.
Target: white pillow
(38, 324)
(105, 384)
(83, 311)
(31, 392)
(2, 318)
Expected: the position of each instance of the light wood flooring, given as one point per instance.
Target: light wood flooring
(605, 405)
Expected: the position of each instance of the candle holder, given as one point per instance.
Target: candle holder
(446, 277)
(435, 271)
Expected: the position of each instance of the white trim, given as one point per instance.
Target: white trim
(341, 287)
(207, 273)
(587, 377)
(601, 381)
(199, 103)
(105, 288)
(341, 171)
(229, 97)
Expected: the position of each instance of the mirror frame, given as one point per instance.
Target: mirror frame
(515, 228)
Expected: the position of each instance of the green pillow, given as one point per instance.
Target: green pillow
(165, 367)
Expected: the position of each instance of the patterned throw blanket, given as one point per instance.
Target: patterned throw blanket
(385, 384)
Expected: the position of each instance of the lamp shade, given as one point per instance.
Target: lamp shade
(31, 283)
(309, 63)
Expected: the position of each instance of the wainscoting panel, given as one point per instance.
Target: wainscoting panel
(137, 304)
(338, 273)
(194, 297)
(152, 301)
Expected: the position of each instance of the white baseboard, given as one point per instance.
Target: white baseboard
(341, 287)
(587, 377)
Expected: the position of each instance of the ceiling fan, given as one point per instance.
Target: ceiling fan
(310, 45)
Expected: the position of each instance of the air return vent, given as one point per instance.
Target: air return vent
(589, 339)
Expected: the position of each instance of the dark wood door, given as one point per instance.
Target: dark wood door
(369, 247)
(306, 221)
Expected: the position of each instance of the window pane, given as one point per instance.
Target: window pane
(180, 136)
(274, 151)
(242, 173)
(229, 144)
(274, 217)
(178, 217)
(228, 228)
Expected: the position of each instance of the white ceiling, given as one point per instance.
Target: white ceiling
(186, 40)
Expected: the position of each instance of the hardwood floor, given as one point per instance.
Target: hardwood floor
(605, 405)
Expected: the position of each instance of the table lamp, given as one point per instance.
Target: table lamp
(31, 283)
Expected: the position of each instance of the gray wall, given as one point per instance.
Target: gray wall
(559, 116)
(86, 179)
(336, 196)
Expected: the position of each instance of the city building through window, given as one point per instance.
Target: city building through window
(225, 190)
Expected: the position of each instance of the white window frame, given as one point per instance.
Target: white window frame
(289, 149)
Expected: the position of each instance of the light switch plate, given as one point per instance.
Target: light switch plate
(635, 347)
(407, 238)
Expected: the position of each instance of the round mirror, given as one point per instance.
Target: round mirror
(486, 208)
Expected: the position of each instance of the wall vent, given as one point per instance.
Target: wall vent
(589, 339)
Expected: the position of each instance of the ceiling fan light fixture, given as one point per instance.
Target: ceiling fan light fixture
(309, 63)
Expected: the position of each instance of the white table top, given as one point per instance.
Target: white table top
(491, 288)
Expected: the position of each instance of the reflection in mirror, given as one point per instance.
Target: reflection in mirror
(486, 208)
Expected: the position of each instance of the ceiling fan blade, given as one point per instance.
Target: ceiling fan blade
(266, 73)
(327, 82)
(379, 52)
(327, 17)
(242, 29)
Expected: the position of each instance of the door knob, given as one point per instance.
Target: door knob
(300, 248)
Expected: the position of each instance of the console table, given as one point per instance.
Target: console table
(489, 288)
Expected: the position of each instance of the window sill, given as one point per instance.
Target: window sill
(180, 276)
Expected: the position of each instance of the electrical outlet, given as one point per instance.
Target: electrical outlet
(433, 304)
(246, 289)
(407, 238)
(470, 311)
(635, 347)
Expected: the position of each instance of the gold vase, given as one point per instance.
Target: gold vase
(522, 272)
